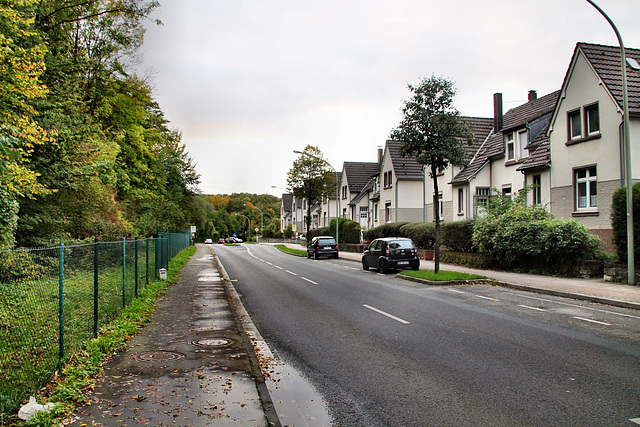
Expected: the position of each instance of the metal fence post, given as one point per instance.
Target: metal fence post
(124, 272)
(136, 267)
(61, 302)
(147, 260)
(96, 268)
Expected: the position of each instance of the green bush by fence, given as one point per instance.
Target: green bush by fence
(53, 300)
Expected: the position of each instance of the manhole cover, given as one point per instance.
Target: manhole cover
(213, 342)
(154, 355)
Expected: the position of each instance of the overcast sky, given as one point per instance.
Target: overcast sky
(249, 81)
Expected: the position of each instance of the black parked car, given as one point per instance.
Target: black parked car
(391, 253)
(322, 246)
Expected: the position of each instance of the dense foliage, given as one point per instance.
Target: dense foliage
(619, 222)
(85, 151)
(514, 236)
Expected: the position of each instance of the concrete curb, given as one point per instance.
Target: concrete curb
(244, 322)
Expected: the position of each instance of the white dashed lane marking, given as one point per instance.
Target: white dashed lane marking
(384, 313)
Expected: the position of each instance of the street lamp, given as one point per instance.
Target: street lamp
(631, 277)
(248, 225)
(261, 220)
(337, 193)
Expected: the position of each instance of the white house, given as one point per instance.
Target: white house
(586, 132)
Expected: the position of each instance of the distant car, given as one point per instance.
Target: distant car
(322, 246)
(230, 240)
(391, 253)
(221, 240)
(208, 241)
(238, 240)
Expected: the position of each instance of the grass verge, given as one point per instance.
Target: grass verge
(298, 252)
(69, 388)
(442, 276)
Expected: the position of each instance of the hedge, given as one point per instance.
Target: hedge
(619, 221)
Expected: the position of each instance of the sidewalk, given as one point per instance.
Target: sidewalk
(594, 290)
(190, 366)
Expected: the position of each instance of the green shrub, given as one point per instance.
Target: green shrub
(288, 232)
(423, 234)
(532, 239)
(323, 231)
(458, 235)
(391, 229)
(619, 221)
(349, 230)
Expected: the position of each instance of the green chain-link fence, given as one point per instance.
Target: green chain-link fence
(53, 300)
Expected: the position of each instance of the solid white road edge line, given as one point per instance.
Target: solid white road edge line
(579, 306)
(390, 316)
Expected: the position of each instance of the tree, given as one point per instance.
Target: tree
(310, 178)
(433, 131)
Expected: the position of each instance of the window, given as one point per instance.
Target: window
(523, 141)
(510, 146)
(583, 123)
(516, 145)
(344, 192)
(537, 190)
(506, 190)
(388, 179)
(593, 119)
(481, 199)
(375, 211)
(586, 188)
(575, 125)
(387, 212)
(460, 200)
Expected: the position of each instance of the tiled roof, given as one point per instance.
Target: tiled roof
(287, 201)
(605, 60)
(403, 167)
(366, 189)
(481, 128)
(536, 114)
(525, 113)
(359, 173)
(539, 156)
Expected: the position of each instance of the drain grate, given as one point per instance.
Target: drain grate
(157, 355)
(214, 342)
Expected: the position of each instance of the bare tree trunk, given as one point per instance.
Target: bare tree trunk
(436, 215)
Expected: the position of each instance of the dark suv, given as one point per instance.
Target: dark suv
(322, 246)
(391, 253)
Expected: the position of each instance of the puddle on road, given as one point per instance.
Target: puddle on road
(295, 400)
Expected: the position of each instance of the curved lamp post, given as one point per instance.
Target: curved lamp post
(337, 192)
(631, 279)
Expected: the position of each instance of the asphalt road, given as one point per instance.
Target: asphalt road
(387, 352)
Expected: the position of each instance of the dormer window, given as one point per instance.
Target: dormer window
(516, 145)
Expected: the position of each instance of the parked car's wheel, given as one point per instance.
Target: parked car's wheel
(382, 267)
(365, 267)
(315, 255)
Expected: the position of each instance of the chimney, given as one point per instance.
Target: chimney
(533, 95)
(497, 112)
(379, 155)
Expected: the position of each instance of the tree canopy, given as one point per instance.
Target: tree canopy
(85, 150)
(432, 131)
(310, 178)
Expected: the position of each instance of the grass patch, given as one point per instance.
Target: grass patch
(298, 252)
(442, 276)
(69, 389)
